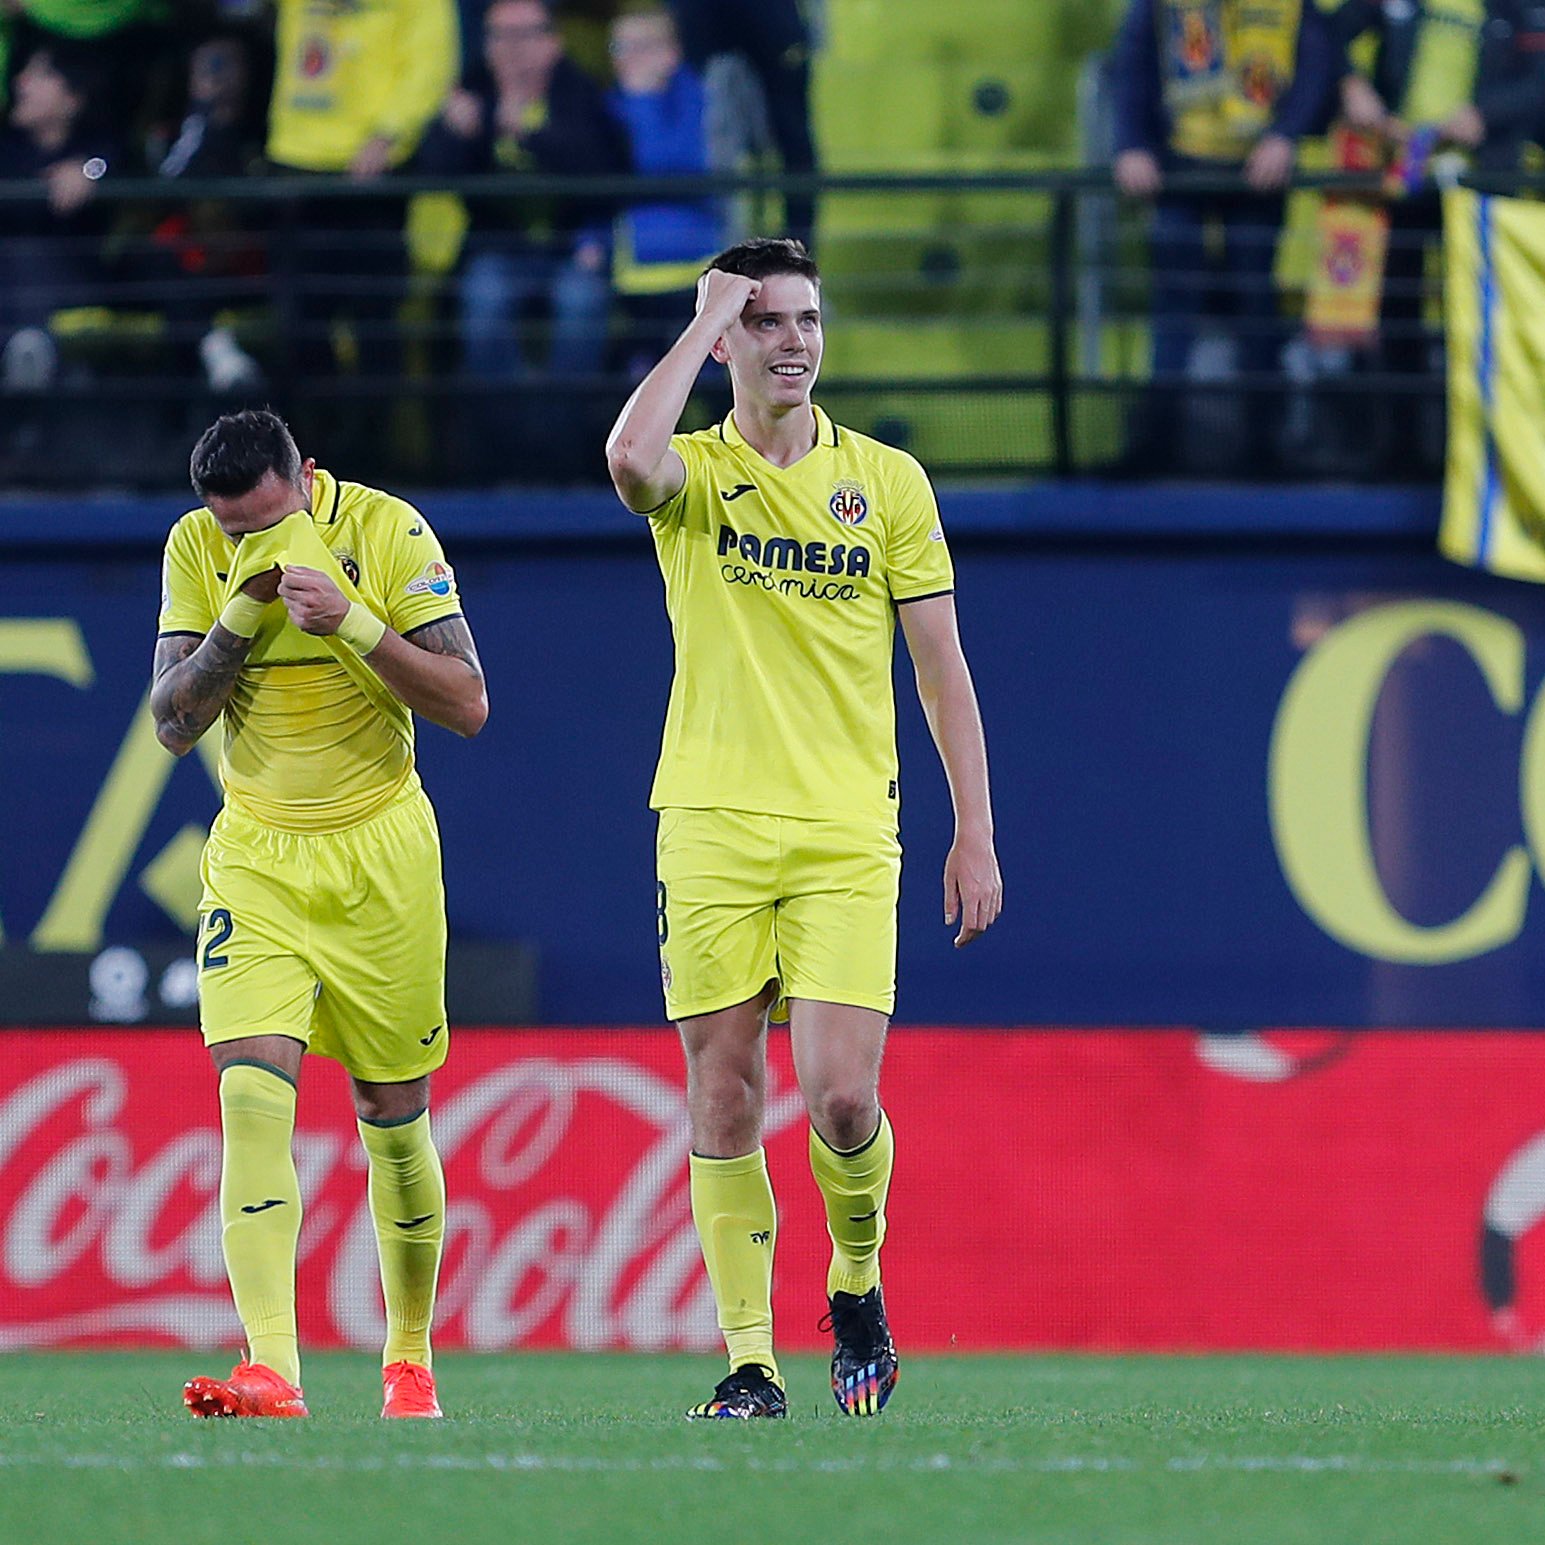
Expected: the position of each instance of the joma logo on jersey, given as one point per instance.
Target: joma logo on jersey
(782, 552)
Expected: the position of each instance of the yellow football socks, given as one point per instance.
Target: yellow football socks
(737, 1221)
(853, 1186)
(260, 1210)
(407, 1200)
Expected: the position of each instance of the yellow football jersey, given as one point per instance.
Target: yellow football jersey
(781, 583)
(306, 749)
(346, 72)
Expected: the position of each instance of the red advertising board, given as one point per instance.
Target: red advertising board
(1087, 1189)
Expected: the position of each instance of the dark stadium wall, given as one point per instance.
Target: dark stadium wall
(1297, 787)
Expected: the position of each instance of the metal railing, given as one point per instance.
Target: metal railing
(1010, 324)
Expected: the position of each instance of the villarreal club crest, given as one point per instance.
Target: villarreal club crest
(848, 503)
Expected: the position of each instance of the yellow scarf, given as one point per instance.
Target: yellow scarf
(1225, 64)
(1448, 48)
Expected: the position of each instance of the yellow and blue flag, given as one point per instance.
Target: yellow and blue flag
(1494, 310)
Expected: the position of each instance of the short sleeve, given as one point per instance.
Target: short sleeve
(186, 606)
(420, 585)
(694, 458)
(917, 556)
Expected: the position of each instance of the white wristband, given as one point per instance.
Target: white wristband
(361, 629)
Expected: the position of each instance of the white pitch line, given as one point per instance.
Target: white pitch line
(528, 1463)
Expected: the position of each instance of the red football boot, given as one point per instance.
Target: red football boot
(410, 1391)
(253, 1389)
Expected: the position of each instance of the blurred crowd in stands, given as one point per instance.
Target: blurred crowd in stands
(1413, 90)
(368, 90)
(551, 293)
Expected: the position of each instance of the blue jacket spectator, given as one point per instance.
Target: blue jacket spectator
(661, 102)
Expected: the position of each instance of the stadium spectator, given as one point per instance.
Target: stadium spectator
(205, 242)
(355, 89)
(1508, 112)
(51, 254)
(773, 39)
(538, 112)
(1414, 100)
(1222, 88)
(1420, 75)
(661, 245)
(118, 35)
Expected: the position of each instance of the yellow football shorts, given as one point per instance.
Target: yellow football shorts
(746, 899)
(334, 938)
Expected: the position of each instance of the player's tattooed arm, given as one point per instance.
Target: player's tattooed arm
(451, 637)
(193, 678)
(436, 672)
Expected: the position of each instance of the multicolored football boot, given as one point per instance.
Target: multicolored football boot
(253, 1389)
(750, 1391)
(864, 1363)
(409, 1389)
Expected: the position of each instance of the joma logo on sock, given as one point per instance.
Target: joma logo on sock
(761, 1236)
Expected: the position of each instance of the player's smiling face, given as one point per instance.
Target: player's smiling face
(774, 352)
(263, 505)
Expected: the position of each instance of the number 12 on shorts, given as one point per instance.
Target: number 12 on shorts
(218, 928)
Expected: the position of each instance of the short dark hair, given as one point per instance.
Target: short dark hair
(239, 450)
(763, 256)
(78, 65)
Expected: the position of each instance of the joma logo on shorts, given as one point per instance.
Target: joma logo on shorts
(781, 552)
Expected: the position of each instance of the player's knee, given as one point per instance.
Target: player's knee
(393, 1104)
(846, 1118)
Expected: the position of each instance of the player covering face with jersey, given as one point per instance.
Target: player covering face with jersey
(313, 618)
(789, 545)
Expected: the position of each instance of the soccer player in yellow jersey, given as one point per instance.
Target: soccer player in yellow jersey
(789, 546)
(314, 617)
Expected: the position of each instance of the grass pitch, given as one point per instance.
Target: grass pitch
(565, 1448)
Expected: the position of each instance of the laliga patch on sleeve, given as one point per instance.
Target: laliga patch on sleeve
(937, 534)
(436, 579)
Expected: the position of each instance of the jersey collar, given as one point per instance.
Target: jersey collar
(826, 435)
(325, 493)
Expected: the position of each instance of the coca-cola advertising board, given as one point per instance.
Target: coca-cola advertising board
(1090, 1189)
